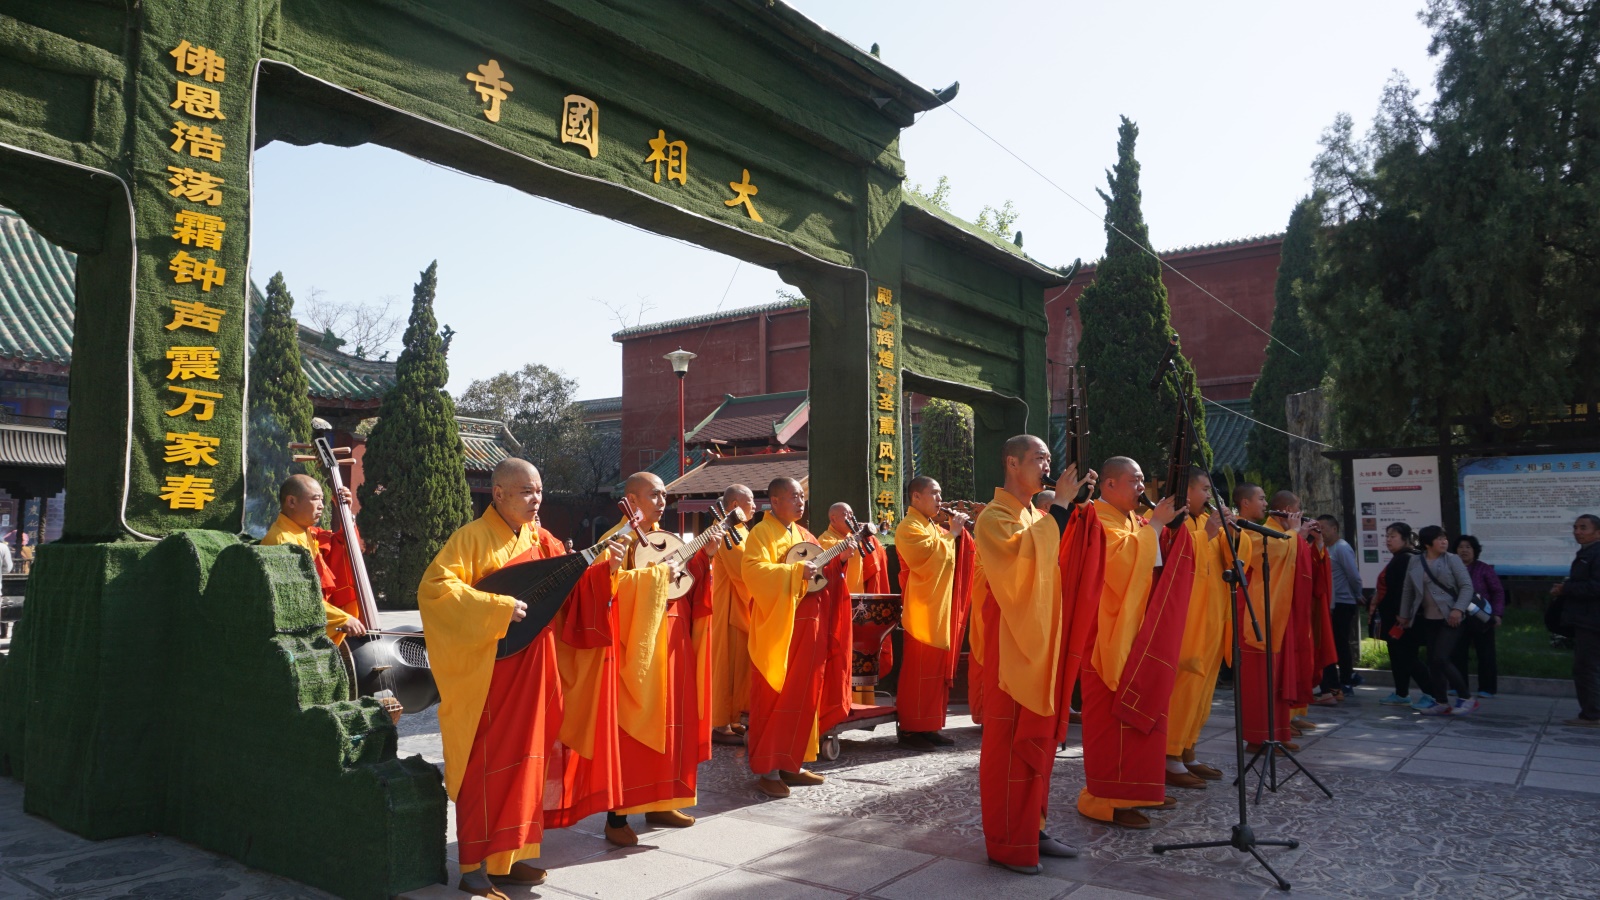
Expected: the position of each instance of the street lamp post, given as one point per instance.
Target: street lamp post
(680, 366)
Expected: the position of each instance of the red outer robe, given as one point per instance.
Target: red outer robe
(338, 578)
(1019, 745)
(1125, 733)
(875, 580)
(838, 627)
(649, 777)
(1253, 671)
(518, 779)
(1324, 652)
(926, 673)
(1297, 680)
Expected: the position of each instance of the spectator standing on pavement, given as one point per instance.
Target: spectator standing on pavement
(1579, 596)
(1437, 591)
(1486, 584)
(1346, 602)
(1402, 643)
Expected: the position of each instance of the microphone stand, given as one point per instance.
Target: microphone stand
(1242, 837)
(1271, 748)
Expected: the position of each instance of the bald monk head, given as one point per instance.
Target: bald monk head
(1043, 500)
(648, 494)
(924, 495)
(740, 497)
(1027, 463)
(517, 491)
(1250, 501)
(1121, 483)
(300, 500)
(839, 517)
(1284, 502)
(788, 500)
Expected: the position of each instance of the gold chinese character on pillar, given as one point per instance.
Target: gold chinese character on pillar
(187, 314)
(204, 402)
(885, 297)
(186, 268)
(202, 230)
(194, 362)
(675, 154)
(202, 61)
(743, 191)
(191, 449)
(196, 187)
(199, 101)
(199, 140)
(492, 87)
(188, 492)
(580, 123)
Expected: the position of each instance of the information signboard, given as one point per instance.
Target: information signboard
(1391, 489)
(1522, 507)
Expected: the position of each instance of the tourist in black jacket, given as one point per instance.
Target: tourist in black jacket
(1580, 610)
(1404, 651)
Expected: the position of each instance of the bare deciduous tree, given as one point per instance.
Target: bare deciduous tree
(367, 329)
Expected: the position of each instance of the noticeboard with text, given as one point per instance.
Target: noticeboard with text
(1387, 490)
(1522, 508)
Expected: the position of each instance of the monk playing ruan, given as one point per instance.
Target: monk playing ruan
(1122, 763)
(730, 629)
(664, 675)
(299, 510)
(928, 572)
(1207, 641)
(865, 573)
(789, 643)
(1251, 505)
(1026, 659)
(502, 720)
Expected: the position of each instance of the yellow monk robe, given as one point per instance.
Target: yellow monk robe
(865, 573)
(663, 704)
(1130, 558)
(286, 531)
(500, 720)
(1282, 557)
(1207, 640)
(928, 566)
(1024, 662)
(788, 649)
(730, 637)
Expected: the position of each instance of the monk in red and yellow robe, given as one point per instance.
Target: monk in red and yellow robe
(1027, 616)
(863, 573)
(1128, 678)
(928, 616)
(790, 631)
(1281, 559)
(730, 630)
(513, 758)
(300, 505)
(1207, 641)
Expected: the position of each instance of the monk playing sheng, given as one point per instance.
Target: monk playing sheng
(1251, 505)
(299, 510)
(1027, 681)
(664, 667)
(928, 554)
(502, 720)
(789, 638)
(730, 629)
(1137, 638)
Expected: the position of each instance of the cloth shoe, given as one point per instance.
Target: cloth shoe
(802, 778)
(1326, 700)
(522, 873)
(772, 787)
(1130, 818)
(1049, 846)
(622, 836)
(915, 740)
(669, 818)
(1464, 707)
(1209, 773)
(1303, 723)
(938, 739)
(1166, 803)
(478, 890)
(727, 737)
(1424, 703)
(1020, 870)
(1185, 780)
(1395, 700)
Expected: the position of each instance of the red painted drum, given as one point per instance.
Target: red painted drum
(875, 616)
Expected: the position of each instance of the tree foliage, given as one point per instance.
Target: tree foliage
(280, 407)
(415, 493)
(1126, 326)
(947, 447)
(993, 220)
(366, 330)
(537, 405)
(1299, 368)
(1459, 281)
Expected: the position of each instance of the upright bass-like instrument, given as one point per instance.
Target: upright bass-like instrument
(396, 659)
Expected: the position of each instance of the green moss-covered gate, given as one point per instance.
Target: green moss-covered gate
(126, 133)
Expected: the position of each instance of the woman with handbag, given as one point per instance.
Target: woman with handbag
(1405, 662)
(1492, 597)
(1439, 587)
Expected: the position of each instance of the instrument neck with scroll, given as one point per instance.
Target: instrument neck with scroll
(330, 458)
(1078, 427)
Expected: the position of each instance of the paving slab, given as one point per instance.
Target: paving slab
(1429, 768)
(848, 865)
(726, 840)
(949, 879)
(632, 874)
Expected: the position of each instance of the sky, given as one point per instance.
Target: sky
(1230, 97)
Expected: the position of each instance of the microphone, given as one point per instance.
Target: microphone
(1262, 530)
(1165, 364)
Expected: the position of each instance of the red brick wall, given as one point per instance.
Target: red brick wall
(1227, 353)
(741, 357)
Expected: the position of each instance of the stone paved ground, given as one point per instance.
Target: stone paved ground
(1502, 804)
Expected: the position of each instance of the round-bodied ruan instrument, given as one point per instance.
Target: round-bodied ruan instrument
(663, 546)
(806, 551)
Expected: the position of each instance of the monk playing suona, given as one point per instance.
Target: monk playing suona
(1123, 766)
(1207, 641)
(663, 676)
(730, 629)
(1251, 505)
(865, 573)
(1026, 682)
(789, 638)
(299, 511)
(1305, 579)
(928, 566)
(501, 720)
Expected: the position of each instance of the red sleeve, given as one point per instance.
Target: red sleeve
(333, 567)
(699, 598)
(587, 624)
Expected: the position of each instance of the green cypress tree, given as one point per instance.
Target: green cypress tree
(947, 447)
(280, 407)
(1126, 326)
(1285, 372)
(415, 492)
